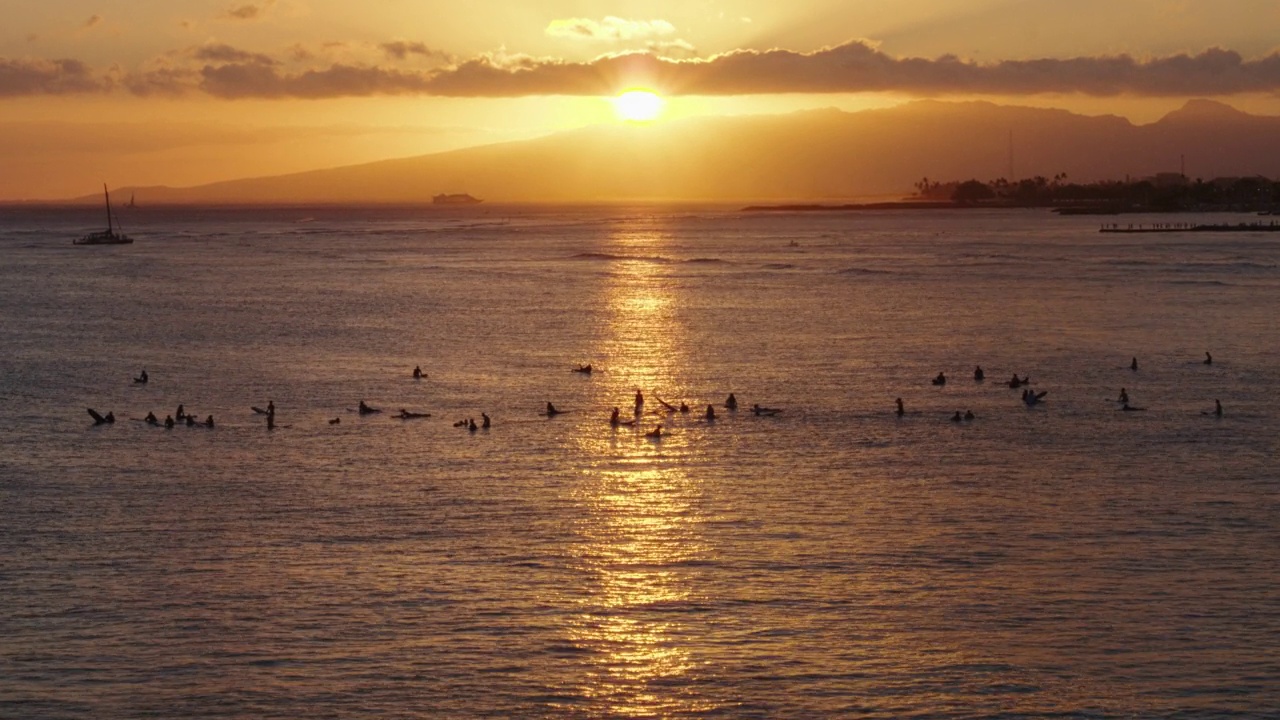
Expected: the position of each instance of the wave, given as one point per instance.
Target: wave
(863, 271)
(611, 257)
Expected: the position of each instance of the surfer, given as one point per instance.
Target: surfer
(191, 421)
(208, 422)
(901, 410)
(471, 424)
(978, 375)
(711, 414)
(684, 407)
(150, 419)
(365, 409)
(335, 421)
(1015, 382)
(639, 400)
(968, 415)
(182, 413)
(584, 369)
(271, 407)
(417, 372)
(1134, 365)
(956, 417)
(940, 380)
(551, 410)
(485, 421)
(168, 422)
(731, 403)
(142, 377)
(1208, 359)
(1124, 396)
(655, 433)
(613, 419)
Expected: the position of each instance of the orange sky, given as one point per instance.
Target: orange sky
(181, 93)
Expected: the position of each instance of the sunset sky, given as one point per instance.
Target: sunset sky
(179, 93)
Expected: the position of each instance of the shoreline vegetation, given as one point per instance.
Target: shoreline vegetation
(1163, 193)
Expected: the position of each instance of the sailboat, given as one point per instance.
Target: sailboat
(108, 236)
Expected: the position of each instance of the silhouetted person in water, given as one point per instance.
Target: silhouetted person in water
(1124, 396)
(968, 415)
(208, 422)
(940, 380)
(168, 422)
(471, 424)
(1134, 365)
(1208, 359)
(335, 421)
(485, 422)
(150, 419)
(191, 421)
(711, 413)
(417, 372)
(732, 402)
(956, 417)
(271, 407)
(271, 421)
(901, 411)
(142, 378)
(639, 400)
(1217, 408)
(684, 407)
(181, 414)
(655, 433)
(613, 419)
(551, 409)
(978, 375)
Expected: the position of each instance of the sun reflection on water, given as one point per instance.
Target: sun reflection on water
(640, 520)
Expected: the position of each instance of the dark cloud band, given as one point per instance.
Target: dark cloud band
(849, 68)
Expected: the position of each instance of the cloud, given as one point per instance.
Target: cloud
(222, 53)
(255, 80)
(611, 29)
(248, 11)
(20, 78)
(400, 49)
(226, 72)
(860, 67)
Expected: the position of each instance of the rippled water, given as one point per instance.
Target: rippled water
(1062, 560)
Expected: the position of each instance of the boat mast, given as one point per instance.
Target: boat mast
(107, 195)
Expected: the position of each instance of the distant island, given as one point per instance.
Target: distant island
(456, 199)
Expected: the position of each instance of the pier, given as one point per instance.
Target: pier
(1190, 227)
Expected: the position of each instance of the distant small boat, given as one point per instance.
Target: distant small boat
(455, 199)
(108, 236)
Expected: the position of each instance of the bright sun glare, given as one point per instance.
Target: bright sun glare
(638, 105)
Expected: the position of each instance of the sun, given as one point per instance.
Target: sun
(638, 106)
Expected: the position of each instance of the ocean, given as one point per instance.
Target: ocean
(1067, 559)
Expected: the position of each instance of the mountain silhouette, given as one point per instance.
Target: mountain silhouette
(816, 155)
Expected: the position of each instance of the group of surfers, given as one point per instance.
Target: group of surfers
(1032, 398)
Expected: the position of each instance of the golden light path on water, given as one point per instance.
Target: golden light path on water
(640, 522)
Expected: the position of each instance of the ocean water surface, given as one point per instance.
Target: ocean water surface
(1062, 560)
